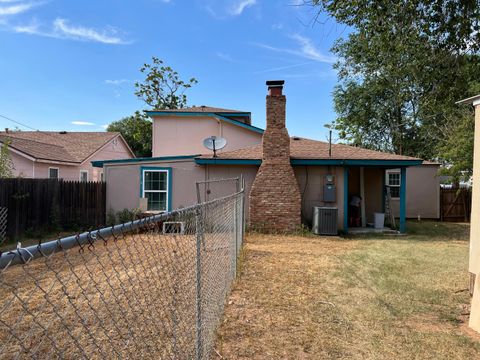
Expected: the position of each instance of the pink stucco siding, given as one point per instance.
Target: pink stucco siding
(184, 135)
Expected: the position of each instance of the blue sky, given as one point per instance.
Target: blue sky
(71, 65)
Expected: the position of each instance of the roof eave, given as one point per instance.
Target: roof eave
(474, 100)
(315, 162)
(101, 163)
(220, 116)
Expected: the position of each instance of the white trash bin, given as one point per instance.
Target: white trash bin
(379, 220)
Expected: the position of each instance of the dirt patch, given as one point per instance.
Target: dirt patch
(272, 309)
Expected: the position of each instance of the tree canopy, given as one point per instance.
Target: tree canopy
(6, 163)
(162, 87)
(137, 132)
(401, 69)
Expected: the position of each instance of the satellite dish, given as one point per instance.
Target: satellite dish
(214, 143)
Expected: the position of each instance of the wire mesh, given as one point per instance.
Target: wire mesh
(3, 224)
(154, 288)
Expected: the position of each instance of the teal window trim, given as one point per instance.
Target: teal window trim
(169, 171)
(345, 200)
(384, 189)
(403, 199)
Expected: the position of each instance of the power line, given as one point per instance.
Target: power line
(18, 122)
(26, 126)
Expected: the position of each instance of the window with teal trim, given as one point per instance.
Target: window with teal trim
(155, 189)
(393, 181)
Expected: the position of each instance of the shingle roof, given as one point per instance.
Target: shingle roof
(207, 109)
(301, 148)
(72, 147)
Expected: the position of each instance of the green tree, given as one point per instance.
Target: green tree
(401, 69)
(162, 87)
(6, 164)
(137, 132)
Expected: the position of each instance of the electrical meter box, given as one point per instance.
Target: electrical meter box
(329, 189)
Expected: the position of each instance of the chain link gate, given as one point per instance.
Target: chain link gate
(153, 287)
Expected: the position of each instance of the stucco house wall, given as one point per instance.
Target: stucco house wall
(124, 179)
(423, 193)
(174, 135)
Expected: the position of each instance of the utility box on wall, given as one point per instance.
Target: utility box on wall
(329, 189)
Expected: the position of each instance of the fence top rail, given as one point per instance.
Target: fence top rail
(25, 255)
(218, 180)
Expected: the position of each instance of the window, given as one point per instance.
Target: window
(84, 175)
(155, 187)
(52, 173)
(393, 181)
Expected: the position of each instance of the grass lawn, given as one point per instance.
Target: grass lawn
(368, 297)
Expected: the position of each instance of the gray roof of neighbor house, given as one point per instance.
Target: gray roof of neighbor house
(69, 147)
(306, 149)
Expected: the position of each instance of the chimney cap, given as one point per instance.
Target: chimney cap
(275, 83)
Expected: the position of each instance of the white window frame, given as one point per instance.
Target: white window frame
(387, 181)
(54, 168)
(80, 176)
(167, 172)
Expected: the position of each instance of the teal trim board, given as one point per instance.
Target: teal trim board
(169, 182)
(403, 199)
(345, 200)
(100, 163)
(314, 162)
(384, 189)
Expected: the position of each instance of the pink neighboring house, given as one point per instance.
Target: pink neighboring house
(63, 155)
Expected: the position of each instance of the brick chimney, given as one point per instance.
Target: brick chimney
(275, 196)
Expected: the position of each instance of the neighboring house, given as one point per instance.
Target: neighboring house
(63, 155)
(288, 175)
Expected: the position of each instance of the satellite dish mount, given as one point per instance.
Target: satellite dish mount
(214, 143)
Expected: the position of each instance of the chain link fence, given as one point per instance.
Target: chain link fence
(3, 224)
(154, 287)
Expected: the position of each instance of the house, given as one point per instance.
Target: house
(285, 176)
(63, 155)
(474, 254)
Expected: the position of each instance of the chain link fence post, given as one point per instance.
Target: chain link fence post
(198, 283)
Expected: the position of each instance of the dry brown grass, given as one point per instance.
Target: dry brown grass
(133, 298)
(331, 298)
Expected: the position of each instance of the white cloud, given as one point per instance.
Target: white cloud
(307, 50)
(61, 29)
(238, 7)
(107, 36)
(282, 68)
(82, 123)
(310, 51)
(117, 82)
(104, 126)
(224, 56)
(15, 9)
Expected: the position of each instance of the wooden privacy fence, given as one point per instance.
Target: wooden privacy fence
(455, 204)
(42, 205)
